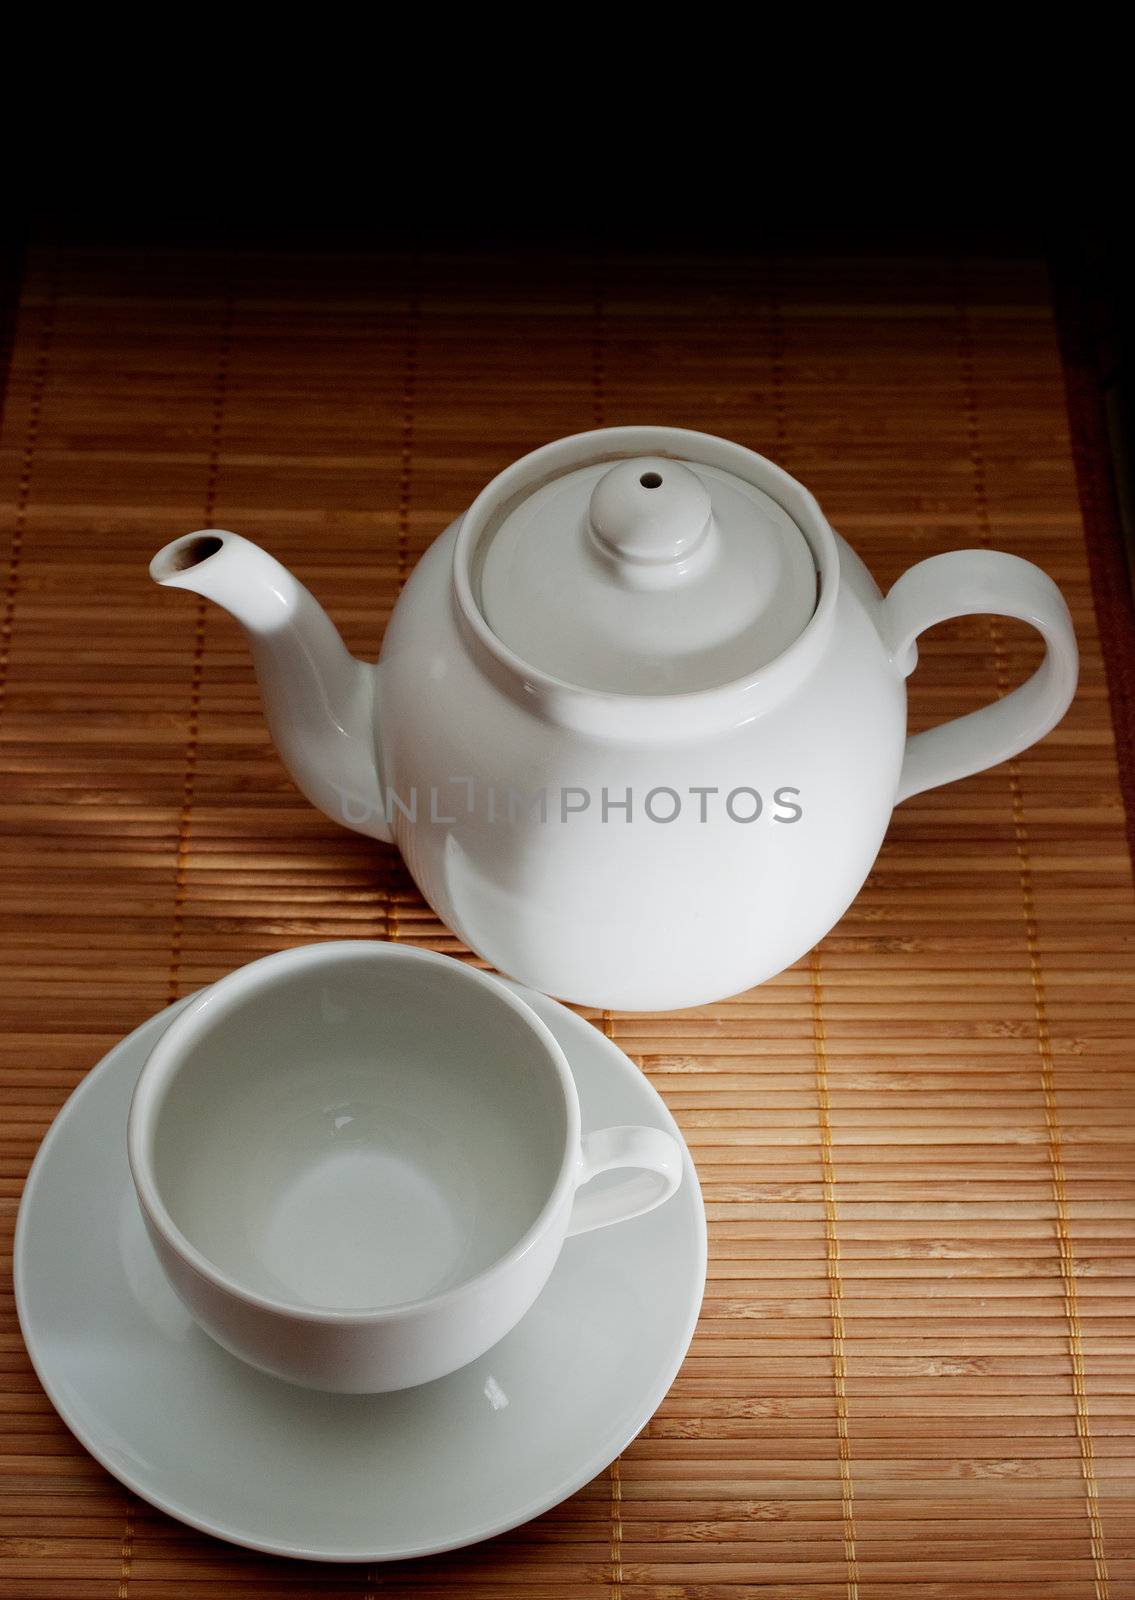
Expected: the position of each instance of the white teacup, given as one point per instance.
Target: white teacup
(358, 1163)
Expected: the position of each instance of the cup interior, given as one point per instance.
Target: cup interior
(359, 1130)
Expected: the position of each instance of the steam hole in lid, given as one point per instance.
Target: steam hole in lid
(196, 551)
(651, 480)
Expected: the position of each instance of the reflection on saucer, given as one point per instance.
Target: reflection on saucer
(494, 1394)
(145, 1278)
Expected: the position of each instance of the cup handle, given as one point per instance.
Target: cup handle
(657, 1156)
(963, 583)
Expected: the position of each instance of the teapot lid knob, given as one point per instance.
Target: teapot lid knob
(650, 510)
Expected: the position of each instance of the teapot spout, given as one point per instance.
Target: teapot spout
(318, 699)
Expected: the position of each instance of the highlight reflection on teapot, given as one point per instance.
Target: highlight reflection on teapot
(650, 649)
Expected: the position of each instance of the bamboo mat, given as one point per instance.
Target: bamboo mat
(915, 1371)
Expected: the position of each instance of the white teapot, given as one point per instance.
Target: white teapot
(639, 719)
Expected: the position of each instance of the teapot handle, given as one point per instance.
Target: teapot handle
(963, 583)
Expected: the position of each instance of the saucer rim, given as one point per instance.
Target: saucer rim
(564, 1491)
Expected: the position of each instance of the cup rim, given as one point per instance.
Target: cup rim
(216, 1001)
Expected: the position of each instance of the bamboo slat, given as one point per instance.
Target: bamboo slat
(915, 1372)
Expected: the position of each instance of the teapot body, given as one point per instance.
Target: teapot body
(636, 875)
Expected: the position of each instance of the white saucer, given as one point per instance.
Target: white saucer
(347, 1477)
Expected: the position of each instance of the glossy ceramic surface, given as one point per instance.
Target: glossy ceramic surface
(358, 1162)
(340, 1477)
(724, 802)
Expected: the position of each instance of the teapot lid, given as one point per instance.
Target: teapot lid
(649, 575)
